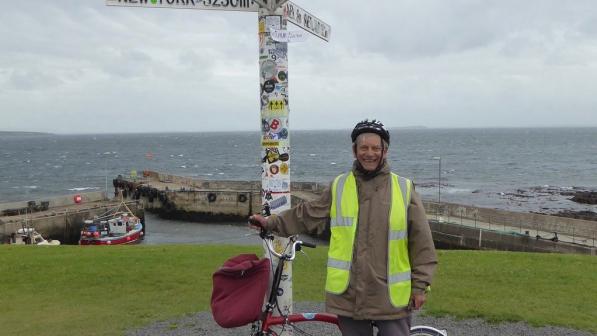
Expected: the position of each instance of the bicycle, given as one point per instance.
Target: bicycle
(263, 326)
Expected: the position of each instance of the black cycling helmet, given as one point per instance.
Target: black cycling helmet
(373, 126)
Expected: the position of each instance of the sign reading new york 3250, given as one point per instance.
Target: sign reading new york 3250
(248, 5)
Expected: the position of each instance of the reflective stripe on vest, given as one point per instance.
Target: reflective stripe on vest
(343, 223)
(399, 276)
(344, 217)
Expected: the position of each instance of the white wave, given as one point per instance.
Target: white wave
(83, 188)
(312, 154)
(332, 163)
(459, 191)
(25, 187)
(183, 166)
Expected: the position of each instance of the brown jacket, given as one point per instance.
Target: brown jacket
(367, 293)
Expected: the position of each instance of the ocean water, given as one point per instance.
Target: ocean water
(518, 169)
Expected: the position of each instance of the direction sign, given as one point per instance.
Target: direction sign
(308, 21)
(231, 5)
(296, 14)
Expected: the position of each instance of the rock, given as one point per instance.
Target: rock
(586, 215)
(585, 197)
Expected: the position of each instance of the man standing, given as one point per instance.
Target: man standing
(381, 257)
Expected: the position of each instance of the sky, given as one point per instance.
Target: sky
(79, 66)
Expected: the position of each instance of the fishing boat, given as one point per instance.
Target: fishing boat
(116, 227)
(28, 236)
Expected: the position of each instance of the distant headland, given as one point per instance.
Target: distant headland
(23, 133)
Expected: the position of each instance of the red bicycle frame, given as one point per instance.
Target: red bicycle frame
(293, 318)
(268, 320)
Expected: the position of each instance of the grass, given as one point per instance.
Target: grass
(540, 289)
(75, 290)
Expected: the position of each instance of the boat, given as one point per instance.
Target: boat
(116, 227)
(28, 236)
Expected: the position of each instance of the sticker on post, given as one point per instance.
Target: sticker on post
(288, 36)
(278, 202)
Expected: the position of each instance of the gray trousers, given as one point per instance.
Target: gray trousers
(350, 327)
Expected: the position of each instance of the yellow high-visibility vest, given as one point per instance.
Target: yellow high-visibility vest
(344, 214)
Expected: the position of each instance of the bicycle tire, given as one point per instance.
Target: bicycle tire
(426, 331)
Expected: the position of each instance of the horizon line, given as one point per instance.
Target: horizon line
(297, 129)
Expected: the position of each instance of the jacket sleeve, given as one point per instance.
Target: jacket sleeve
(306, 217)
(423, 259)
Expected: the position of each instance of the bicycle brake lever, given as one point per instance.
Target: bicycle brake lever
(306, 255)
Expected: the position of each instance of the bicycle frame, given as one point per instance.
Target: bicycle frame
(262, 327)
(268, 320)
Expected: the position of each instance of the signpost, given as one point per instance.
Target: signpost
(273, 16)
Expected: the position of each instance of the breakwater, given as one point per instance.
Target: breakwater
(454, 225)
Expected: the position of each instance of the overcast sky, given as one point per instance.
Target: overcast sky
(74, 66)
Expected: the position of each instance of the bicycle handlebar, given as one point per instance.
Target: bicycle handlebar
(296, 245)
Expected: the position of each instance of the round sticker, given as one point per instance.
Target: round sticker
(268, 69)
(284, 157)
(269, 86)
(275, 125)
(282, 76)
(274, 169)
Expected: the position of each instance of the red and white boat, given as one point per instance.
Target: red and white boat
(114, 228)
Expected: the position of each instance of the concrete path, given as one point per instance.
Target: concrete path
(587, 241)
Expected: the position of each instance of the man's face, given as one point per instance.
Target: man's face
(369, 151)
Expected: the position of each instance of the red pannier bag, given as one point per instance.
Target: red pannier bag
(239, 288)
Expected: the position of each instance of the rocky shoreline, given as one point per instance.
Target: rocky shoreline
(581, 197)
(571, 202)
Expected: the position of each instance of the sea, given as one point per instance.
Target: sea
(519, 169)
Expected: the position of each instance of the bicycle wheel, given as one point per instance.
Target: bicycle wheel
(426, 331)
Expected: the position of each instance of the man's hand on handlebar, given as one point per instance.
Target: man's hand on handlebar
(257, 222)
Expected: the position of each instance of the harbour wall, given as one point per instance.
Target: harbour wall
(196, 193)
(53, 202)
(455, 236)
(63, 218)
(531, 222)
(185, 198)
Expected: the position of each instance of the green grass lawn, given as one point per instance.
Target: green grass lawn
(73, 290)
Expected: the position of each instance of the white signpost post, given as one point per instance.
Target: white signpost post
(273, 16)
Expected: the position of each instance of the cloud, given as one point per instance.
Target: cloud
(83, 65)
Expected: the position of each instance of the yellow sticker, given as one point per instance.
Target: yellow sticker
(278, 247)
(276, 105)
(270, 143)
(284, 168)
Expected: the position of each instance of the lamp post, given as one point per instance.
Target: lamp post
(439, 186)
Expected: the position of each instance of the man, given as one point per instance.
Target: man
(381, 257)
